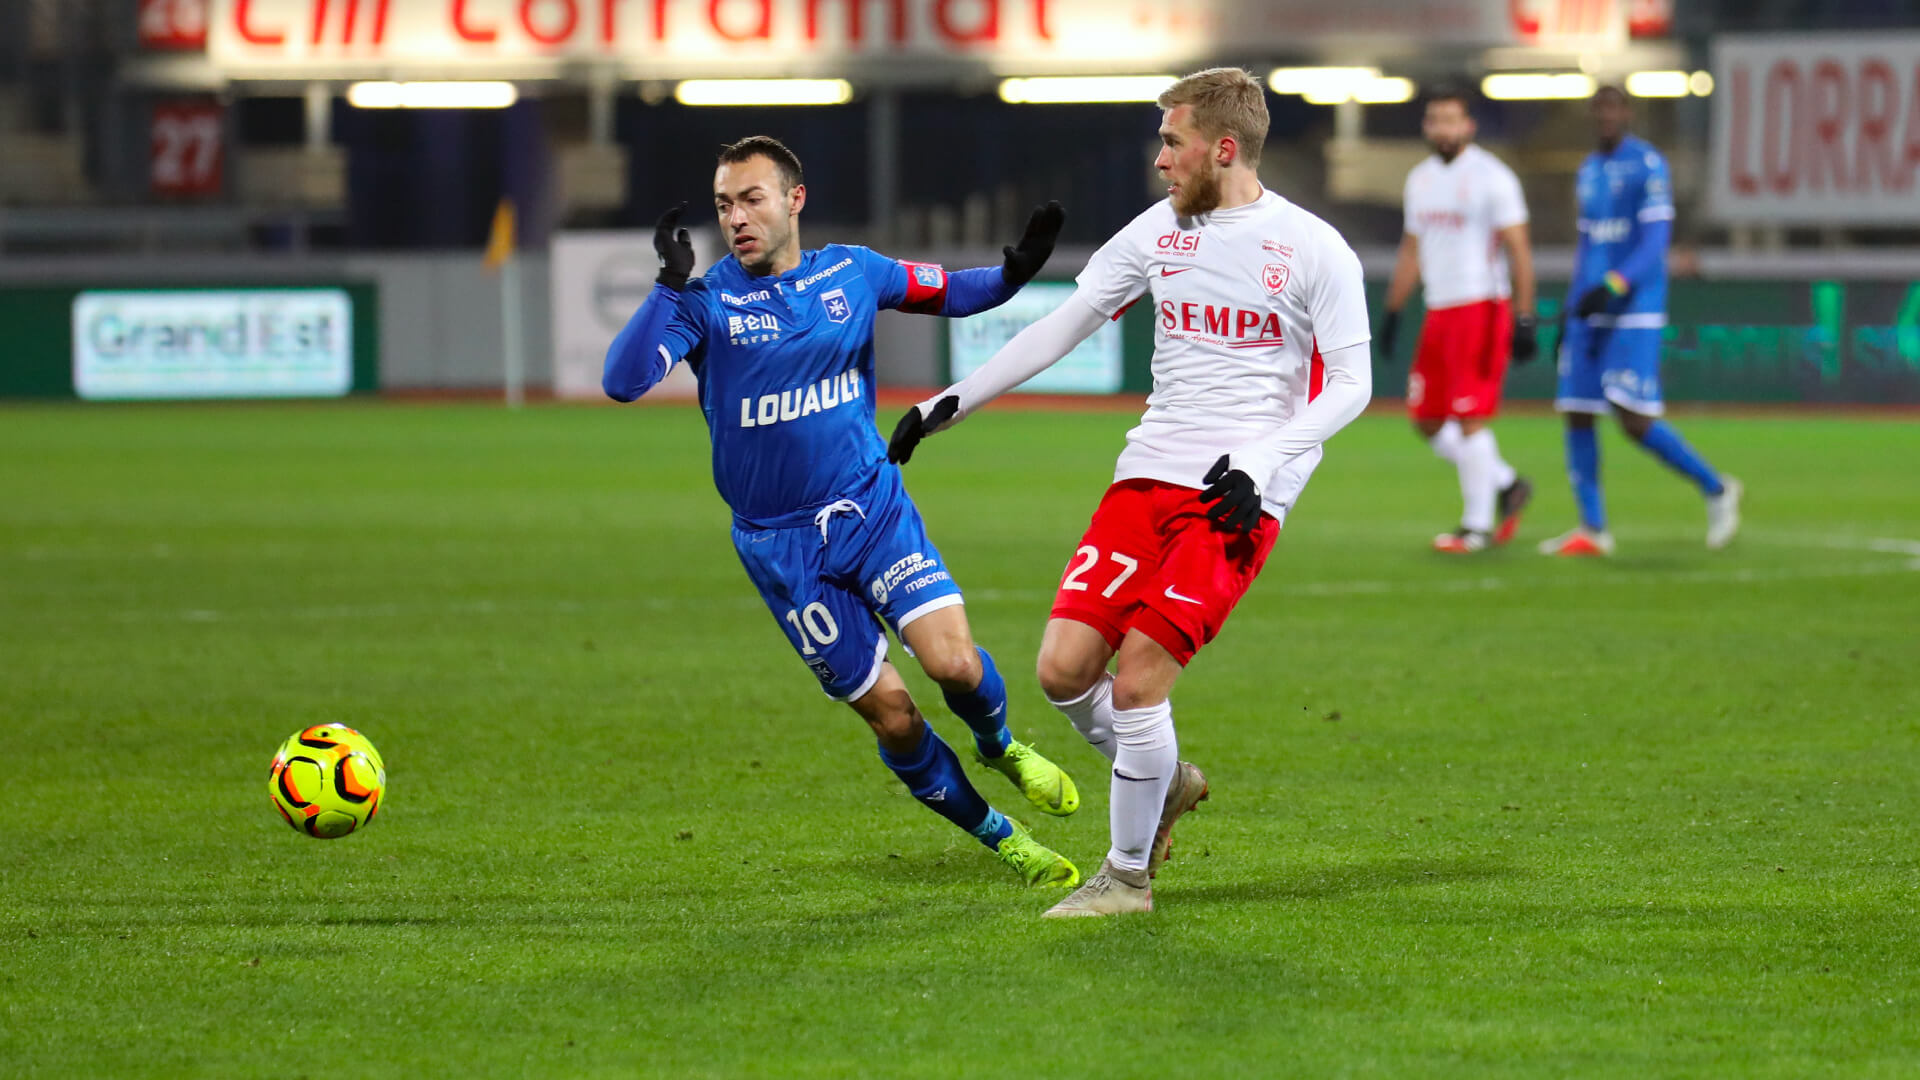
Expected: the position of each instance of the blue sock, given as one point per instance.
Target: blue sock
(1668, 446)
(1583, 469)
(934, 776)
(984, 708)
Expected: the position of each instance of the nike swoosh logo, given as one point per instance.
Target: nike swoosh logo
(1168, 271)
(1171, 595)
(1135, 779)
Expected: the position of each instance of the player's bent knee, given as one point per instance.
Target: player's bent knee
(1067, 678)
(887, 708)
(1145, 674)
(954, 668)
(894, 720)
(1635, 425)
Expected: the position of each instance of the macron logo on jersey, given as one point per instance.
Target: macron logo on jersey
(767, 409)
(1236, 328)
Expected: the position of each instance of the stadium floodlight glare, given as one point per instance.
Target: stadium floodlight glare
(764, 92)
(432, 95)
(1321, 85)
(1083, 89)
(1537, 86)
(1701, 83)
(1387, 90)
(1652, 84)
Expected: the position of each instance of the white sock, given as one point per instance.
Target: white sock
(1446, 442)
(1480, 466)
(1092, 715)
(1503, 473)
(1142, 772)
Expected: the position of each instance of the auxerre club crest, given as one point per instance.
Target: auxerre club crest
(835, 301)
(1274, 277)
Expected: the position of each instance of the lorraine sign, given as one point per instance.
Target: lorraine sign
(898, 40)
(1816, 129)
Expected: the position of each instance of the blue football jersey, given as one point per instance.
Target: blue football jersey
(785, 368)
(1620, 195)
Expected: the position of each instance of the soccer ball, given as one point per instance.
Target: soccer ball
(327, 780)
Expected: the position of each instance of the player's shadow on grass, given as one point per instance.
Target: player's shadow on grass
(1324, 883)
(919, 867)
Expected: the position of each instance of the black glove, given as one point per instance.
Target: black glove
(1593, 301)
(1235, 497)
(675, 250)
(1025, 258)
(1526, 339)
(913, 427)
(1389, 333)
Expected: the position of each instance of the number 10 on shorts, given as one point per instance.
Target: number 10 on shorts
(815, 625)
(1086, 558)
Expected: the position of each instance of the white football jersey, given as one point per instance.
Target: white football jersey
(1245, 301)
(1457, 209)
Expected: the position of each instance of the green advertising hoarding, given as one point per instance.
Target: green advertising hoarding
(116, 343)
(1815, 342)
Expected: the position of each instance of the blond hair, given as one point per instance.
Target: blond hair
(1226, 101)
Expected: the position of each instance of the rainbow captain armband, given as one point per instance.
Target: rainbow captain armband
(926, 288)
(1616, 284)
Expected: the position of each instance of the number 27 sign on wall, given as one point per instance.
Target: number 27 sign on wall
(187, 151)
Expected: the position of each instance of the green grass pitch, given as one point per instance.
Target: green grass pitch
(1492, 817)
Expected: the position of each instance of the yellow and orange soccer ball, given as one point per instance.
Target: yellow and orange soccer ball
(327, 781)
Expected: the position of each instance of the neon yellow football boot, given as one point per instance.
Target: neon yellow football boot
(1038, 865)
(1046, 785)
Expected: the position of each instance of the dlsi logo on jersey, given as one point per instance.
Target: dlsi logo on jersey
(752, 329)
(831, 393)
(1179, 242)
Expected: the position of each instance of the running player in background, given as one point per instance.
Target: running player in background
(1617, 308)
(1260, 355)
(1466, 222)
(781, 341)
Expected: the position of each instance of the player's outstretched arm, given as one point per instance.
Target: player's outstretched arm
(983, 288)
(1031, 351)
(646, 348)
(1236, 480)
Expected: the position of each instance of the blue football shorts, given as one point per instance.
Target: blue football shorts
(1604, 366)
(837, 584)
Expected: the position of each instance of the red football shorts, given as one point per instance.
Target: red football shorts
(1151, 561)
(1461, 361)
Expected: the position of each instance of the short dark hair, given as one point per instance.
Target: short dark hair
(773, 150)
(1451, 91)
(1613, 91)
